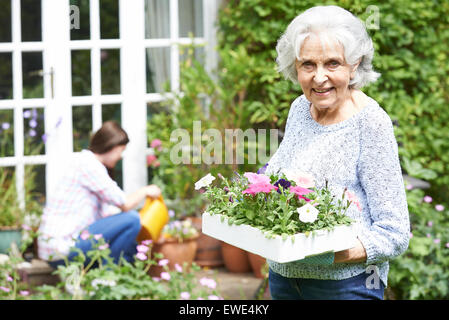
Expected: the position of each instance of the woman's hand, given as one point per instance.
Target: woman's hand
(153, 191)
(353, 255)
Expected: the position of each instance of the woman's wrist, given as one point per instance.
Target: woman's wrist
(353, 255)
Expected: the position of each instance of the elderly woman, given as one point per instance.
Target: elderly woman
(337, 133)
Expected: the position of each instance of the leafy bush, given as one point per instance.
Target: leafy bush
(421, 273)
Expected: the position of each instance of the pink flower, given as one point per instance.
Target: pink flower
(185, 295)
(103, 246)
(141, 256)
(353, 198)
(142, 248)
(436, 241)
(4, 289)
(207, 282)
(147, 242)
(26, 227)
(428, 199)
(439, 207)
(156, 279)
(9, 279)
(24, 293)
(259, 187)
(98, 236)
(409, 187)
(430, 223)
(163, 262)
(255, 178)
(447, 245)
(150, 159)
(85, 235)
(302, 179)
(300, 191)
(156, 143)
(165, 276)
(411, 235)
(428, 235)
(213, 297)
(178, 267)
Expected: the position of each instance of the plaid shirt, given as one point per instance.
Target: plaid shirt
(82, 196)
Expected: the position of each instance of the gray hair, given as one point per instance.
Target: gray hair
(338, 23)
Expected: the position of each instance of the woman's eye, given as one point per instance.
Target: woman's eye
(334, 64)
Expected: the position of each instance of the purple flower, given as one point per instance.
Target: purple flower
(27, 114)
(32, 133)
(165, 276)
(5, 125)
(178, 267)
(44, 137)
(24, 293)
(147, 242)
(263, 169)
(230, 199)
(171, 213)
(428, 199)
(436, 241)
(439, 207)
(411, 235)
(4, 289)
(142, 248)
(409, 187)
(163, 262)
(103, 246)
(447, 245)
(207, 282)
(98, 236)
(430, 223)
(84, 235)
(9, 279)
(283, 183)
(226, 189)
(33, 123)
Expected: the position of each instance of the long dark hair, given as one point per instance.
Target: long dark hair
(107, 137)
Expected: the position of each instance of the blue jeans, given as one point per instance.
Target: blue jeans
(119, 231)
(282, 288)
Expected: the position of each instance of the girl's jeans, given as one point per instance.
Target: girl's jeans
(119, 231)
(355, 288)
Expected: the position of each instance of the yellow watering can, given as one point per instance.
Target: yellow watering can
(153, 218)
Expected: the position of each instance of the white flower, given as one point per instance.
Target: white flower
(204, 181)
(308, 213)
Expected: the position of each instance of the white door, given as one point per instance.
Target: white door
(99, 60)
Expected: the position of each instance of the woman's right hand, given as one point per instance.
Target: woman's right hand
(153, 191)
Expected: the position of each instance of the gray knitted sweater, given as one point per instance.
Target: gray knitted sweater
(359, 153)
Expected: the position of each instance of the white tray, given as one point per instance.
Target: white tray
(276, 249)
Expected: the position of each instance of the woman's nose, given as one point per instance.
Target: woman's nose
(320, 76)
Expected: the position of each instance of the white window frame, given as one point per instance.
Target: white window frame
(57, 102)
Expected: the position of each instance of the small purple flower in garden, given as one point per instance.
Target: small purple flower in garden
(185, 295)
(26, 227)
(207, 282)
(165, 276)
(163, 262)
(411, 235)
(141, 256)
(428, 199)
(5, 125)
(33, 123)
(430, 223)
(9, 279)
(428, 235)
(171, 213)
(103, 246)
(32, 133)
(24, 293)
(147, 242)
(142, 248)
(220, 176)
(436, 241)
(230, 199)
(44, 137)
(409, 187)
(439, 207)
(4, 289)
(178, 267)
(85, 235)
(263, 169)
(98, 236)
(27, 114)
(447, 245)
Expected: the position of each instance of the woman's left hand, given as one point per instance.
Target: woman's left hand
(353, 255)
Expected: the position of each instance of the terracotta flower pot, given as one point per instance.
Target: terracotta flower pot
(257, 263)
(235, 259)
(176, 252)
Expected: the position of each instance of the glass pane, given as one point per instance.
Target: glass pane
(81, 80)
(33, 130)
(158, 69)
(110, 71)
(157, 19)
(35, 185)
(33, 82)
(31, 20)
(5, 75)
(5, 21)
(190, 18)
(109, 19)
(82, 126)
(6, 133)
(79, 20)
(117, 173)
(111, 112)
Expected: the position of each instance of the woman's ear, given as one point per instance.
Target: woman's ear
(354, 68)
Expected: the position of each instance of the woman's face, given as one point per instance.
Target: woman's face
(113, 156)
(323, 73)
